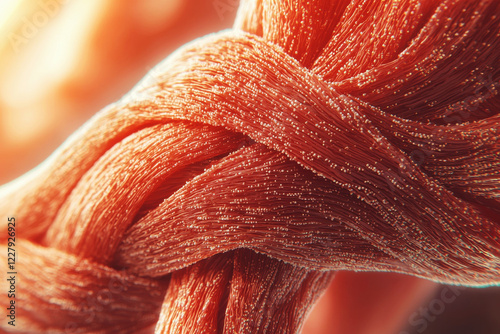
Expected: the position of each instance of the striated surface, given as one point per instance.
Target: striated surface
(252, 163)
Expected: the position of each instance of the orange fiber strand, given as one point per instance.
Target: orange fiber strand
(225, 190)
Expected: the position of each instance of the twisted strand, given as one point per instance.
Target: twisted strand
(227, 187)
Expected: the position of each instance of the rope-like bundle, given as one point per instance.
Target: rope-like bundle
(223, 191)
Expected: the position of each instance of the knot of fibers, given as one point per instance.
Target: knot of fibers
(222, 193)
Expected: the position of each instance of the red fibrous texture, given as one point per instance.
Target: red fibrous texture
(221, 194)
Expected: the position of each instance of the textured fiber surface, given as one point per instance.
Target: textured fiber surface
(220, 195)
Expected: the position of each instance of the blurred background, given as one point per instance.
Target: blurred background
(61, 61)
